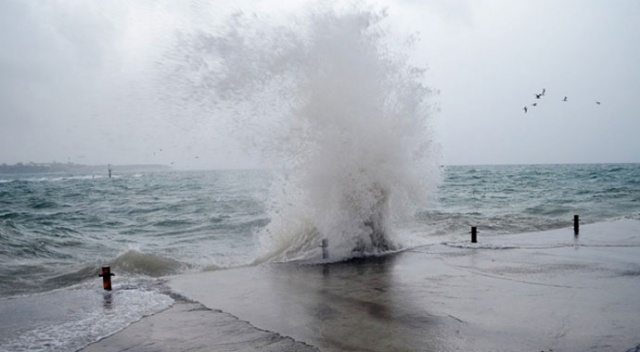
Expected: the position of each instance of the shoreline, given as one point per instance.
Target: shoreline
(534, 292)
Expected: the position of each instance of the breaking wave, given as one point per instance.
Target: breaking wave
(332, 103)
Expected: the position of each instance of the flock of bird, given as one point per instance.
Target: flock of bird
(541, 94)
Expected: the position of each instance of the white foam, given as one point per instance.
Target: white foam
(332, 104)
(69, 319)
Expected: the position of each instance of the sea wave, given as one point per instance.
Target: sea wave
(57, 234)
(138, 263)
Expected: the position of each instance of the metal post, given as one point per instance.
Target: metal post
(106, 277)
(325, 250)
(474, 233)
(576, 224)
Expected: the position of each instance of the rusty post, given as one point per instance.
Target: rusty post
(106, 277)
(474, 233)
(576, 224)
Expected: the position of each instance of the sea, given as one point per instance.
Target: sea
(58, 230)
(338, 110)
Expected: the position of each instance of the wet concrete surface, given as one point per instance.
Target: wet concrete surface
(532, 292)
(190, 326)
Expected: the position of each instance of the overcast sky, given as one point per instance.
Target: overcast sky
(75, 81)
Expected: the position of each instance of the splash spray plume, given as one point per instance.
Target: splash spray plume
(334, 106)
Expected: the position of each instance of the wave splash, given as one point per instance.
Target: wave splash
(332, 103)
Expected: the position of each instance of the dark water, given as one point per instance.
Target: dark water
(524, 198)
(57, 230)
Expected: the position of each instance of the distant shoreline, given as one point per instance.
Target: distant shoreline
(43, 168)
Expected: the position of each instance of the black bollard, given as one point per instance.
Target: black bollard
(576, 224)
(106, 277)
(325, 250)
(474, 233)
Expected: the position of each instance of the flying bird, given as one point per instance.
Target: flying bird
(534, 104)
(525, 109)
(597, 102)
(538, 96)
(565, 99)
(543, 90)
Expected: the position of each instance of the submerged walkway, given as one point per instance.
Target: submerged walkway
(527, 292)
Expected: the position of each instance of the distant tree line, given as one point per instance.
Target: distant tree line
(36, 168)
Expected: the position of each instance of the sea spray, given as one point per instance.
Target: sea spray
(332, 104)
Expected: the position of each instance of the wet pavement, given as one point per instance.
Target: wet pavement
(530, 292)
(190, 326)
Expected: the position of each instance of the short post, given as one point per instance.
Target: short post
(474, 234)
(106, 277)
(576, 224)
(325, 249)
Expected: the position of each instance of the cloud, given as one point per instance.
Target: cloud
(84, 78)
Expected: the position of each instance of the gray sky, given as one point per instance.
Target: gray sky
(77, 81)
